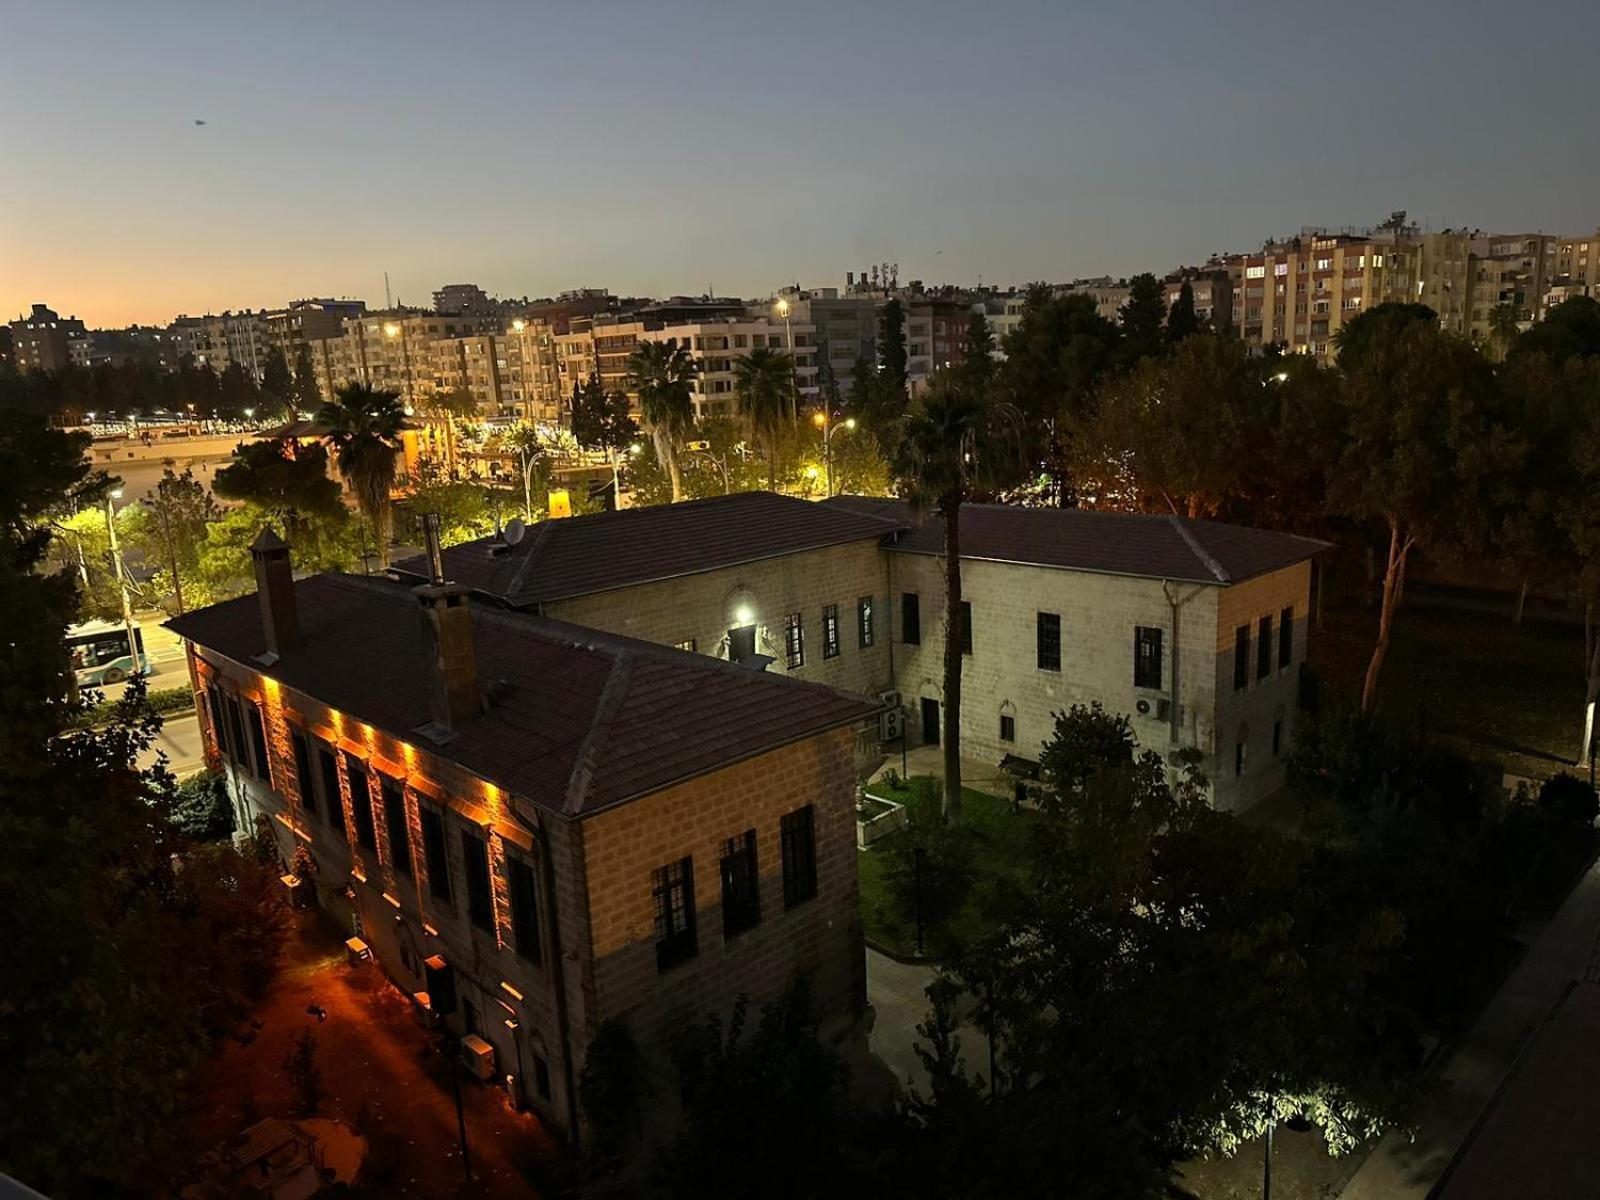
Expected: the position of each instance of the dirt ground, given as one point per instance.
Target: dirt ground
(379, 1074)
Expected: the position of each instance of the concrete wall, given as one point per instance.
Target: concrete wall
(702, 608)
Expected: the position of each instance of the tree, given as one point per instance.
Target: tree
(237, 392)
(1182, 321)
(892, 351)
(1570, 329)
(978, 366)
(761, 381)
(182, 508)
(957, 440)
(663, 374)
(443, 406)
(1505, 325)
(364, 425)
(601, 420)
(277, 384)
(307, 395)
(1055, 359)
(286, 478)
(202, 810)
(1425, 445)
(1142, 316)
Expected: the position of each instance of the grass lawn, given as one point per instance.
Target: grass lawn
(1512, 693)
(1002, 846)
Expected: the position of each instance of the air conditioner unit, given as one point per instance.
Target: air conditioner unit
(477, 1056)
(1163, 709)
(891, 721)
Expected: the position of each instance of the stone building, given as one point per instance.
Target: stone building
(536, 828)
(1195, 629)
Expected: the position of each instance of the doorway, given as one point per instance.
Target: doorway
(930, 722)
(741, 643)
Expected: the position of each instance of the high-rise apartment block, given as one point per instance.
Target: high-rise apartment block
(42, 339)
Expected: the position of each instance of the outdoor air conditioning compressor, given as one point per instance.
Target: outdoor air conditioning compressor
(478, 1057)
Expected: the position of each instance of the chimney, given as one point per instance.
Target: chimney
(280, 622)
(447, 641)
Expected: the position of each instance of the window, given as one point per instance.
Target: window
(236, 750)
(331, 798)
(1049, 637)
(1264, 647)
(303, 782)
(524, 908)
(480, 904)
(966, 627)
(794, 642)
(361, 803)
(910, 619)
(1241, 658)
(396, 826)
(1238, 759)
(433, 853)
(541, 1076)
(1285, 637)
(672, 889)
(1008, 727)
(741, 885)
(864, 631)
(799, 856)
(219, 736)
(686, 644)
(1147, 658)
(830, 631)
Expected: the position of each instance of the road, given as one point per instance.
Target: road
(179, 738)
(180, 741)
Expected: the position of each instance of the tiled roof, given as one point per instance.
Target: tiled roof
(578, 720)
(1148, 545)
(577, 556)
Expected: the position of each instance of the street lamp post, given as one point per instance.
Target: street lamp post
(783, 310)
(616, 478)
(823, 420)
(122, 579)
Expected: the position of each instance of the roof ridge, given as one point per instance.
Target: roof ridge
(532, 552)
(605, 711)
(1200, 552)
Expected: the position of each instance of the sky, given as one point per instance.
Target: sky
(686, 146)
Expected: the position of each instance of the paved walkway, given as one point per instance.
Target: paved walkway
(929, 760)
(899, 1004)
(1401, 1168)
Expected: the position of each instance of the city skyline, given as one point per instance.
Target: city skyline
(1002, 146)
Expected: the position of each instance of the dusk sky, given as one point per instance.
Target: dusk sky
(672, 148)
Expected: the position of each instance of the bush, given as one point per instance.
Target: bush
(1569, 800)
(163, 702)
(1086, 739)
(202, 808)
(930, 863)
(305, 1079)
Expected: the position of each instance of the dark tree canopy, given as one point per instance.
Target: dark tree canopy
(1570, 330)
(1182, 320)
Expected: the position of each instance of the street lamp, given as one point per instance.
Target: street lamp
(823, 420)
(634, 450)
(782, 308)
(122, 579)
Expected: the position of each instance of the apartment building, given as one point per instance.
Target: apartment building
(1212, 290)
(936, 331)
(1195, 629)
(1108, 294)
(843, 329)
(410, 352)
(464, 299)
(42, 339)
(536, 828)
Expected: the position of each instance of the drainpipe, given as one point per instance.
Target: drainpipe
(1176, 603)
(557, 965)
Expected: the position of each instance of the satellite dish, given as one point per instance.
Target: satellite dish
(515, 528)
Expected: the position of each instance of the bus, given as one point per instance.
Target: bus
(101, 655)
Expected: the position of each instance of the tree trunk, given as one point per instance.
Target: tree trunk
(1194, 506)
(1394, 579)
(1522, 602)
(953, 638)
(1591, 693)
(675, 475)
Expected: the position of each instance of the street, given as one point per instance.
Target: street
(180, 741)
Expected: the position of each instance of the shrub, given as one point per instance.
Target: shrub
(305, 1079)
(1569, 800)
(610, 1088)
(929, 864)
(202, 808)
(1086, 739)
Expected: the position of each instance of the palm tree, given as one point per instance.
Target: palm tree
(1505, 324)
(663, 373)
(443, 407)
(957, 439)
(364, 425)
(761, 381)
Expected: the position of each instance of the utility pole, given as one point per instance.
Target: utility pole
(122, 581)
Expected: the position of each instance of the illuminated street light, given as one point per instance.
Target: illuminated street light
(823, 420)
(782, 309)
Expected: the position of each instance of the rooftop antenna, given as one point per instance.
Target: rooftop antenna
(387, 302)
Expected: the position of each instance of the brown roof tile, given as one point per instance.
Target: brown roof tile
(579, 720)
(577, 556)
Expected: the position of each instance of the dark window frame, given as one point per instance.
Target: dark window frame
(256, 726)
(672, 894)
(794, 641)
(480, 884)
(911, 618)
(523, 887)
(1148, 664)
(1285, 637)
(361, 803)
(966, 627)
(304, 784)
(1047, 641)
(741, 885)
(798, 833)
(1241, 658)
(435, 853)
(396, 825)
(1008, 728)
(1264, 647)
(332, 794)
(830, 631)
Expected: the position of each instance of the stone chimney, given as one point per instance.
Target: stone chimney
(280, 621)
(452, 662)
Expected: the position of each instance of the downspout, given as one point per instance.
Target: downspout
(557, 966)
(1176, 603)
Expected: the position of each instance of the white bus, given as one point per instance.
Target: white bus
(101, 654)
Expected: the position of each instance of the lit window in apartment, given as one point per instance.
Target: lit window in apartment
(794, 642)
